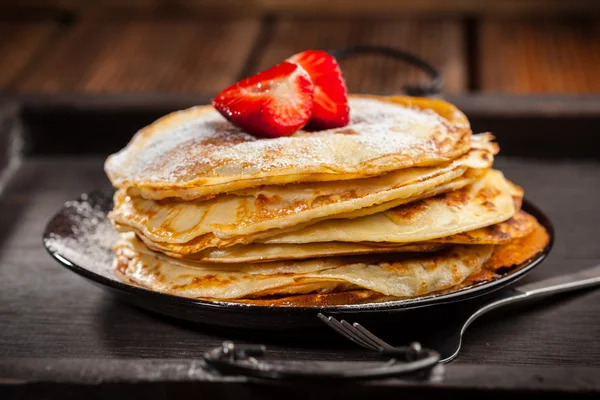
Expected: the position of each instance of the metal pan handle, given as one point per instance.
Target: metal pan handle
(433, 88)
(243, 360)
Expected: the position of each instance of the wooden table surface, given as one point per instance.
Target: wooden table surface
(198, 52)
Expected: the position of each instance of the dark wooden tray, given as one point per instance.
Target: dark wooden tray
(61, 336)
(544, 126)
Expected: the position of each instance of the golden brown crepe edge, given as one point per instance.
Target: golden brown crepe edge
(517, 252)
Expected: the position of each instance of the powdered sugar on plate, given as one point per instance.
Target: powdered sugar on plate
(82, 234)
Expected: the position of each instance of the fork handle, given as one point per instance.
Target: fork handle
(586, 278)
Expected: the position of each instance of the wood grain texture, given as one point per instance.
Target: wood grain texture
(530, 126)
(19, 44)
(401, 7)
(471, 379)
(108, 55)
(539, 56)
(331, 7)
(440, 42)
(10, 143)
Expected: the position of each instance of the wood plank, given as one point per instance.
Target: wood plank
(330, 7)
(540, 56)
(475, 379)
(21, 42)
(440, 42)
(530, 126)
(146, 54)
(431, 7)
(10, 143)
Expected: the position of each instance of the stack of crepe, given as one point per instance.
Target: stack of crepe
(402, 202)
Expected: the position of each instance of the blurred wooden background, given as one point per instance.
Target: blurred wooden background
(201, 46)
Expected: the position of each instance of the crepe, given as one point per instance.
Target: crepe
(518, 226)
(488, 201)
(251, 211)
(210, 240)
(399, 277)
(517, 252)
(485, 202)
(197, 153)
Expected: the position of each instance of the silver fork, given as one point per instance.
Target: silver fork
(365, 338)
(449, 343)
(357, 333)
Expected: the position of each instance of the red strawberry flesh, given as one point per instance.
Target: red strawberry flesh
(273, 103)
(330, 109)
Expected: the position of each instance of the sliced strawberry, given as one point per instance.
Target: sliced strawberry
(273, 103)
(330, 108)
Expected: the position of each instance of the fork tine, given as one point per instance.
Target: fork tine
(368, 334)
(352, 327)
(350, 334)
(334, 324)
(338, 327)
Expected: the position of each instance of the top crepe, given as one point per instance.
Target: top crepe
(196, 153)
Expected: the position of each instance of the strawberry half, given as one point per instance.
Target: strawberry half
(273, 103)
(330, 109)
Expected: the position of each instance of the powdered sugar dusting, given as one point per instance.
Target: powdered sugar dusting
(83, 235)
(196, 145)
(393, 127)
